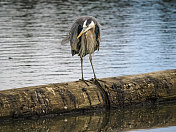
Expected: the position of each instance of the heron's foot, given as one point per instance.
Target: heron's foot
(95, 80)
(85, 81)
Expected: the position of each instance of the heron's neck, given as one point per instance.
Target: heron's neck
(92, 29)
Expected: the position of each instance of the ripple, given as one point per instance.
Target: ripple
(137, 37)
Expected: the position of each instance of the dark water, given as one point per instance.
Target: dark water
(138, 36)
(157, 119)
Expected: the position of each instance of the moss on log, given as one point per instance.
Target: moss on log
(155, 87)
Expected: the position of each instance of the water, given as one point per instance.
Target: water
(156, 119)
(137, 37)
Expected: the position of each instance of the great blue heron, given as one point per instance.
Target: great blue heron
(84, 37)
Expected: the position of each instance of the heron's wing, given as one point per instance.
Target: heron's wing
(73, 38)
(74, 32)
(97, 33)
(65, 40)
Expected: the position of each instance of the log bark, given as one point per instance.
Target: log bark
(123, 91)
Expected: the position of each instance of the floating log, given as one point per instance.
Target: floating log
(123, 91)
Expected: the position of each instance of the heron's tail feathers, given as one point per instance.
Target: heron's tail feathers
(65, 40)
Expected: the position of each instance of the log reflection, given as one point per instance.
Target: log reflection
(115, 120)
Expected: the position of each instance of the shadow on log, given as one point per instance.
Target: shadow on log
(115, 92)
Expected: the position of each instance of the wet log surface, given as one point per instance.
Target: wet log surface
(124, 91)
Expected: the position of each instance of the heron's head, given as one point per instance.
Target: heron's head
(87, 25)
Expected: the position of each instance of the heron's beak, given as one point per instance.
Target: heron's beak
(83, 31)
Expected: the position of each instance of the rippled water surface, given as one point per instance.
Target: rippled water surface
(137, 37)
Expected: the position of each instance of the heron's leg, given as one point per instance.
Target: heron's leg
(82, 67)
(82, 72)
(90, 58)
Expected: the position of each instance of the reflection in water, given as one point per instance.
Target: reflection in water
(137, 37)
(118, 120)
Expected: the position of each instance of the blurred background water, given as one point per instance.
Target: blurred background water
(138, 36)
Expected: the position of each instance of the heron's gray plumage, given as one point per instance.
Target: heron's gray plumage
(88, 42)
(81, 46)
